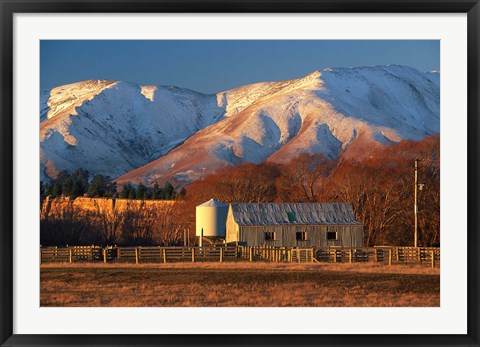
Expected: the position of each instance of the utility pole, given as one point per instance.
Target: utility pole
(418, 186)
(416, 205)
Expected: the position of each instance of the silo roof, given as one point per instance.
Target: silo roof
(213, 203)
(294, 214)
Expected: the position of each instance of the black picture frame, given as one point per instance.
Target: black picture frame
(10, 7)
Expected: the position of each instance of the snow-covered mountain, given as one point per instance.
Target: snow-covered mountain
(148, 133)
(113, 127)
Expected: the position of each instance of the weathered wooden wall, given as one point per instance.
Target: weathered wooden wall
(232, 228)
(316, 235)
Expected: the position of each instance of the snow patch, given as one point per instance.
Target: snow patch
(65, 99)
(148, 92)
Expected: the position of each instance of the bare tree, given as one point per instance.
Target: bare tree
(138, 223)
(304, 177)
(169, 224)
(110, 222)
(63, 223)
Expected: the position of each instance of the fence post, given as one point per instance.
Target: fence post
(221, 254)
(397, 255)
(419, 255)
(164, 251)
(350, 256)
(193, 254)
(250, 253)
(312, 253)
(334, 255)
(376, 255)
(389, 256)
(136, 255)
(432, 254)
(104, 255)
(70, 258)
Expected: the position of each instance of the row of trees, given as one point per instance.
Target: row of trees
(78, 184)
(141, 192)
(137, 225)
(381, 190)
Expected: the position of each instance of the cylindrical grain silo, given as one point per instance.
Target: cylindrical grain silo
(211, 218)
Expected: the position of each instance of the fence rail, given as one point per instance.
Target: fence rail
(387, 255)
(174, 254)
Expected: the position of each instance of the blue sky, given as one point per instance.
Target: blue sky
(210, 66)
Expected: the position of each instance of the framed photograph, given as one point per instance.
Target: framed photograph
(239, 173)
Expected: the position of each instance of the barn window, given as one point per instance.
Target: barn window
(332, 235)
(301, 235)
(269, 235)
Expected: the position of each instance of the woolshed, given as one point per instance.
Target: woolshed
(294, 225)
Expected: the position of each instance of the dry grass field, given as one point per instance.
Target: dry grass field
(238, 284)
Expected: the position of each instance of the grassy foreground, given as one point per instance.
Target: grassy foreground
(238, 284)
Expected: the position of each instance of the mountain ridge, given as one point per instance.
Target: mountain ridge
(171, 133)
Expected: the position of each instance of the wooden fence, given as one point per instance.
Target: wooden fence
(175, 254)
(277, 254)
(386, 254)
(136, 254)
(71, 254)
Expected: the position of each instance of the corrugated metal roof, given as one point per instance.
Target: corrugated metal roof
(213, 203)
(300, 213)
